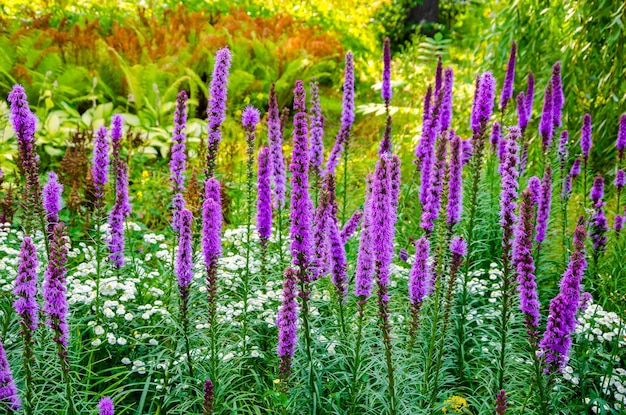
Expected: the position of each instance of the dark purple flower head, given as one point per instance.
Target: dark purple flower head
(275, 138)
(430, 212)
(250, 118)
(483, 105)
(567, 186)
(508, 195)
(121, 188)
(301, 204)
(287, 322)
(117, 124)
(351, 225)
(52, 198)
(546, 127)
(438, 76)
(211, 222)
(557, 338)
(100, 161)
(522, 112)
(458, 246)
(54, 288)
(507, 86)
(403, 254)
(347, 115)
(365, 258)
(455, 185)
(264, 200)
(543, 208)
(22, 118)
(534, 185)
(466, 151)
(496, 136)
(420, 278)
(116, 237)
(618, 225)
(8, 390)
(557, 95)
(25, 290)
(209, 398)
(585, 136)
(216, 109)
(178, 161)
(575, 170)
(426, 149)
(316, 120)
(339, 265)
(446, 109)
(386, 87)
(501, 405)
(105, 406)
(620, 144)
(530, 95)
(524, 264)
(620, 179)
(184, 257)
(597, 190)
(178, 204)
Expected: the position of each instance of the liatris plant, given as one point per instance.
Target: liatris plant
(496, 138)
(55, 306)
(275, 138)
(316, 121)
(264, 199)
(620, 182)
(385, 144)
(501, 405)
(455, 185)
(287, 323)
(52, 200)
(216, 110)
(100, 173)
(426, 149)
(350, 227)
(209, 398)
(543, 208)
(558, 99)
(508, 204)
(9, 399)
(507, 85)
(323, 214)
(430, 213)
(620, 143)
(105, 406)
(546, 126)
(339, 265)
(557, 339)
(382, 243)
(598, 223)
(420, 284)
(585, 147)
(27, 308)
(23, 121)
(420, 150)
(522, 114)
(184, 274)
(212, 250)
(178, 161)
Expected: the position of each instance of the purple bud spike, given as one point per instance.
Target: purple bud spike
(8, 390)
(563, 148)
(316, 119)
(275, 138)
(507, 86)
(430, 213)
(264, 201)
(501, 405)
(522, 113)
(116, 239)
(339, 264)
(184, 260)
(209, 398)
(178, 161)
(250, 118)
(530, 95)
(597, 190)
(585, 137)
(483, 105)
(438, 76)
(54, 289)
(543, 208)
(557, 95)
(446, 109)
(575, 170)
(556, 342)
(386, 87)
(403, 254)
(467, 151)
(620, 179)
(100, 161)
(508, 194)
(287, 323)
(351, 225)
(420, 278)
(216, 110)
(365, 258)
(620, 144)
(534, 185)
(455, 192)
(26, 304)
(496, 136)
(347, 116)
(52, 199)
(545, 126)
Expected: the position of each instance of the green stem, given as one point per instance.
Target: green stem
(354, 390)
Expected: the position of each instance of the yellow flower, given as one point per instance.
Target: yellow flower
(140, 195)
(276, 381)
(145, 175)
(455, 403)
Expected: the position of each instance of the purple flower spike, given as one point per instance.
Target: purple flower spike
(347, 116)
(116, 239)
(117, 124)
(52, 199)
(264, 200)
(386, 87)
(26, 304)
(585, 136)
(563, 148)
(184, 256)
(209, 398)
(287, 323)
(178, 161)
(522, 112)
(455, 191)
(534, 185)
(316, 119)
(524, 265)
(620, 144)
(382, 222)
(275, 138)
(556, 341)
(216, 110)
(212, 222)
(438, 76)
(430, 213)
(250, 118)
(597, 190)
(620, 179)
(54, 289)
(557, 95)
(507, 86)
(351, 225)
(508, 194)
(365, 258)
(100, 161)
(105, 406)
(466, 151)
(543, 208)
(339, 265)
(427, 148)
(301, 204)
(530, 95)
(446, 109)
(545, 126)
(483, 106)
(599, 223)
(8, 390)
(420, 278)
(619, 223)
(496, 136)
(458, 246)
(575, 170)
(501, 405)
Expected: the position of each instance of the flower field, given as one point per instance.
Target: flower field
(273, 264)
